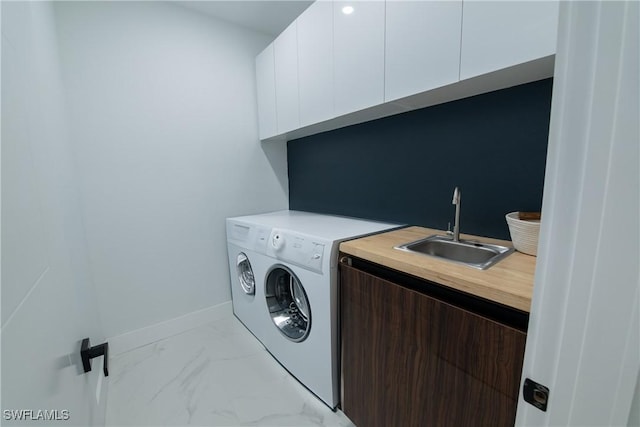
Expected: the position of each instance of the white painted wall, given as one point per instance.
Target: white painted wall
(48, 299)
(634, 414)
(162, 103)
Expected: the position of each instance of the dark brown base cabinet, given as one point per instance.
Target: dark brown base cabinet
(410, 359)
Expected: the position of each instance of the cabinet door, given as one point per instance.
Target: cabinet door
(358, 48)
(266, 86)
(499, 34)
(422, 46)
(315, 63)
(286, 76)
(411, 360)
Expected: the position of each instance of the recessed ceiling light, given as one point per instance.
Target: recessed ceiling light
(347, 10)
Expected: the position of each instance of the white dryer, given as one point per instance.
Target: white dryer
(248, 264)
(293, 310)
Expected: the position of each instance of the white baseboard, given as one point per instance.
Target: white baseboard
(150, 334)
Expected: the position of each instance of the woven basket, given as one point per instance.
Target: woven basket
(524, 234)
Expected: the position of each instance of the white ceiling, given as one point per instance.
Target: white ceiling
(266, 16)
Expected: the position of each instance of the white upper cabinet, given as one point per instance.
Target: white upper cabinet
(286, 77)
(499, 34)
(345, 62)
(422, 46)
(358, 55)
(266, 86)
(315, 63)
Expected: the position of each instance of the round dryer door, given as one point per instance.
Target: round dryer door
(288, 304)
(245, 274)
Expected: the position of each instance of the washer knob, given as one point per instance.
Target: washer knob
(277, 241)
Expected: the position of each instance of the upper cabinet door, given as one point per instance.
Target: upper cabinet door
(422, 46)
(315, 63)
(499, 34)
(286, 76)
(266, 85)
(358, 48)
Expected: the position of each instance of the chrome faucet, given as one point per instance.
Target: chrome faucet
(456, 226)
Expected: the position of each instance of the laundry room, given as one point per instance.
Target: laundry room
(211, 208)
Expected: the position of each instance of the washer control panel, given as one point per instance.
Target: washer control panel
(251, 237)
(297, 249)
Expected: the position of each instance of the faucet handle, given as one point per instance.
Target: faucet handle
(456, 196)
(449, 232)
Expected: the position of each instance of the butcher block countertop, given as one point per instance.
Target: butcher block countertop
(509, 282)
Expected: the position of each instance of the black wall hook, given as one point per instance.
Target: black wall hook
(87, 353)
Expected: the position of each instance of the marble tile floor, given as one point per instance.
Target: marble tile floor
(215, 375)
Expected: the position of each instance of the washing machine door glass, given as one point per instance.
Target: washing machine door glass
(288, 304)
(245, 274)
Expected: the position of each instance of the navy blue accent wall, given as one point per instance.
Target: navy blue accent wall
(404, 168)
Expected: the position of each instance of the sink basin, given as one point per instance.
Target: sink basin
(468, 252)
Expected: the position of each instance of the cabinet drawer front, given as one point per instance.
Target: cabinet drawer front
(422, 46)
(500, 34)
(315, 63)
(266, 87)
(423, 361)
(358, 56)
(285, 50)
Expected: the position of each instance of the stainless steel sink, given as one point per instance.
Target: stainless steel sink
(468, 252)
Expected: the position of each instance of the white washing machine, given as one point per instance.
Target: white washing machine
(284, 284)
